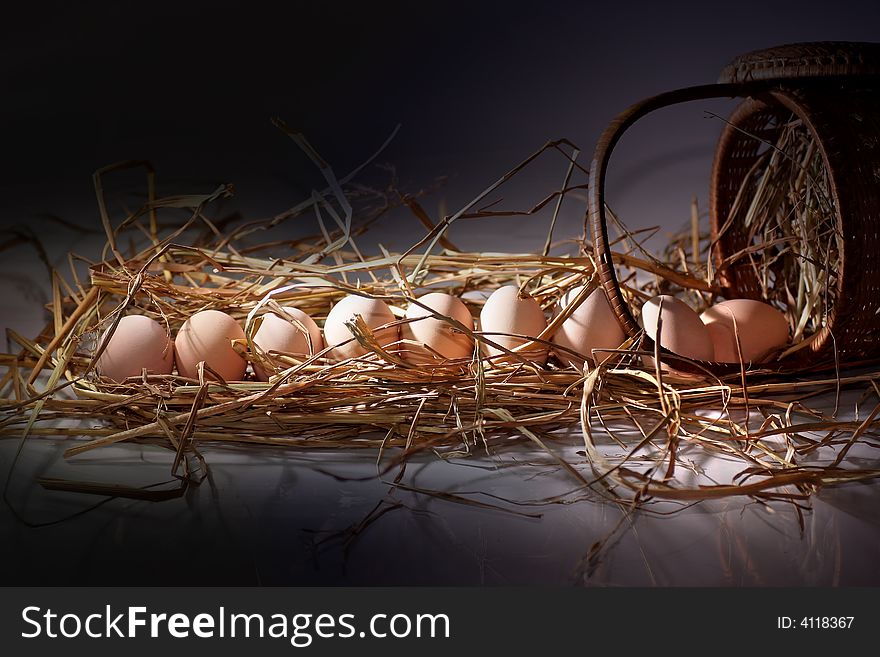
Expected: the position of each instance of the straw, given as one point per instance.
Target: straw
(664, 421)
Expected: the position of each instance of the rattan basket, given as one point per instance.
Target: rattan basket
(833, 88)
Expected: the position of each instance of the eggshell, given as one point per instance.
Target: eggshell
(299, 336)
(374, 312)
(505, 312)
(682, 331)
(592, 325)
(438, 334)
(761, 329)
(207, 336)
(138, 343)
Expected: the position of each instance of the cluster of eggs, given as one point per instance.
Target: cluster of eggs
(140, 343)
(510, 319)
(739, 330)
(438, 328)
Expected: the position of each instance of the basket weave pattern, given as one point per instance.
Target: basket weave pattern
(834, 89)
(845, 124)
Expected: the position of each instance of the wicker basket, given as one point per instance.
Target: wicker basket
(834, 89)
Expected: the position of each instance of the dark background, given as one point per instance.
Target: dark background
(192, 87)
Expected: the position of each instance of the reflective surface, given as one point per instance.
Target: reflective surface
(275, 516)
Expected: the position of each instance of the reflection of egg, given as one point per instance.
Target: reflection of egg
(436, 333)
(374, 312)
(299, 336)
(760, 328)
(506, 312)
(207, 336)
(681, 330)
(138, 343)
(592, 325)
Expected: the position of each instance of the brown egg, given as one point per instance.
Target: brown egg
(374, 312)
(299, 336)
(207, 336)
(761, 329)
(436, 333)
(138, 343)
(681, 331)
(592, 325)
(506, 312)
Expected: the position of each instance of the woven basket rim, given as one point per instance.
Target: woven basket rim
(816, 59)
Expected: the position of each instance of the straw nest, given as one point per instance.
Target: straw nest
(643, 430)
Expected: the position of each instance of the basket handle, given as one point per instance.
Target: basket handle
(598, 170)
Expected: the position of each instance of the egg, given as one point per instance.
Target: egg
(138, 343)
(681, 330)
(298, 336)
(506, 312)
(207, 336)
(761, 329)
(592, 325)
(374, 312)
(438, 334)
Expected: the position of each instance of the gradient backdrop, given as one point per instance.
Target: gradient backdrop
(476, 87)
